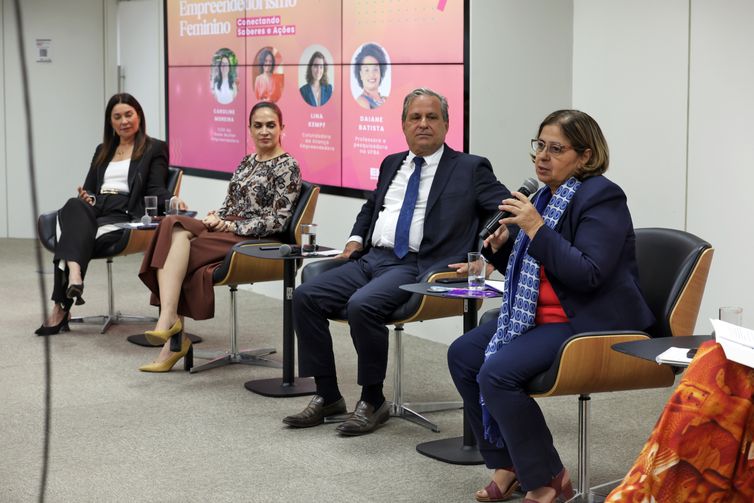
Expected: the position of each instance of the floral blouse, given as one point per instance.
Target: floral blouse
(261, 195)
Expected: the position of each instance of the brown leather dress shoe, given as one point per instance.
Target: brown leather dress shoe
(364, 419)
(315, 413)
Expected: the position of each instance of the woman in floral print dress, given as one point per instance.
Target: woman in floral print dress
(185, 251)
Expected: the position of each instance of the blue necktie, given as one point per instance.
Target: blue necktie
(407, 210)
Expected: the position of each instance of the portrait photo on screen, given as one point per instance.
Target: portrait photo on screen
(316, 75)
(370, 81)
(268, 83)
(224, 80)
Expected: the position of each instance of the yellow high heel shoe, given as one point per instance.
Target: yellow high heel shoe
(187, 353)
(162, 336)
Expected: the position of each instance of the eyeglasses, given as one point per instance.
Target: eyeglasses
(539, 146)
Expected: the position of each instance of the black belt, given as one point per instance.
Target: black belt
(112, 192)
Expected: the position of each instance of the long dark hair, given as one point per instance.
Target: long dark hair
(227, 54)
(110, 139)
(263, 56)
(309, 77)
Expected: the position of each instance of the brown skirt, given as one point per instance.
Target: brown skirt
(208, 250)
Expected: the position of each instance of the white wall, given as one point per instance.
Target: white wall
(67, 97)
(721, 150)
(139, 31)
(521, 55)
(630, 73)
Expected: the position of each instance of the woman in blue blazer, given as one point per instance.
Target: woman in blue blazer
(570, 266)
(317, 90)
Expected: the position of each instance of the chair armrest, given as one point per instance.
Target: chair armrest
(423, 307)
(489, 314)
(445, 272)
(313, 269)
(46, 225)
(238, 269)
(586, 363)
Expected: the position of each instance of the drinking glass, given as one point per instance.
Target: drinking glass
(477, 268)
(170, 207)
(150, 206)
(308, 238)
(731, 314)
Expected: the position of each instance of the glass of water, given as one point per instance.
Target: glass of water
(170, 207)
(308, 238)
(477, 268)
(731, 314)
(150, 208)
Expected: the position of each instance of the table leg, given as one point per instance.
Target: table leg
(457, 450)
(288, 385)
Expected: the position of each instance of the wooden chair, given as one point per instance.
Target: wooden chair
(673, 268)
(132, 241)
(417, 308)
(238, 269)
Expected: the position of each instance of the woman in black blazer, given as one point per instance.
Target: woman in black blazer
(127, 166)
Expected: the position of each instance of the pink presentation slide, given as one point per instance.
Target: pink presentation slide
(366, 55)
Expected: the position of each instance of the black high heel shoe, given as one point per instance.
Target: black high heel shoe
(76, 291)
(54, 329)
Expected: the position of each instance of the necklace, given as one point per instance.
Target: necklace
(121, 152)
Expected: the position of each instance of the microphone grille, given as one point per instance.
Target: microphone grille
(285, 250)
(529, 186)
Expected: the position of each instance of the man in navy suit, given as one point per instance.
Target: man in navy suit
(424, 214)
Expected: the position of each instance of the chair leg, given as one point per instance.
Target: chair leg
(112, 317)
(585, 492)
(246, 357)
(583, 455)
(401, 409)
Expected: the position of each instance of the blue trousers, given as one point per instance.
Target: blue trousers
(528, 445)
(364, 291)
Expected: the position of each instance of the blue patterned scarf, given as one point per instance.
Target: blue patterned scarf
(521, 288)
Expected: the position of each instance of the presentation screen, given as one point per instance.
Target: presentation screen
(339, 71)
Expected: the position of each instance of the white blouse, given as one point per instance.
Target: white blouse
(116, 175)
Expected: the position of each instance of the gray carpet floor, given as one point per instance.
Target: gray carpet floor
(118, 434)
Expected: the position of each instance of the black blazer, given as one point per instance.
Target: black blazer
(147, 176)
(464, 194)
(590, 260)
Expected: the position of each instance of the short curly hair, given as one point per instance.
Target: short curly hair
(377, 53)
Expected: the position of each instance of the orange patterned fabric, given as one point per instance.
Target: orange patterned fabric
(701, 447)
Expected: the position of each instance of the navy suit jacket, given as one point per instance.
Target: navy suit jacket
(308, 94)
(147, 176)
(590, 260)
(463, 195)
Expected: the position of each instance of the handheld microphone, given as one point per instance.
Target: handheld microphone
(529, 186)
(287, 250)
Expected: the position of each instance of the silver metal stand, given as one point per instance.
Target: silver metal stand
(246, 357)
(584, 493)
(112, 317)
(409, 410)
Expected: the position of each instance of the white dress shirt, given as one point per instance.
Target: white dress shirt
(387, 220)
